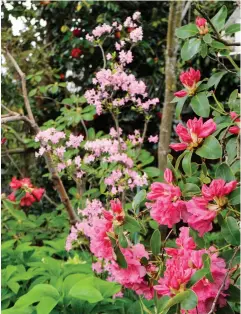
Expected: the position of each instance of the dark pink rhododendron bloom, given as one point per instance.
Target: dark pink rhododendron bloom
(202, 25)
(167, 208)
(236, 128)
(183, 262)
(203, 210)
(189, 80)
(193, 135)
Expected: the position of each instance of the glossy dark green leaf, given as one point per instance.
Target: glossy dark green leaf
(215, 79)
(210, 149)
(186, 164)
(233, 28)
(131, 224)
(152, 172)
(219, 19)
(197, 276)
(138, 199)
(187, 31)
(224, 172)
(207, 38)
(234, 197)
(155, 242)
(230, 231)
(190, 190)
(190, 48)
(200, 105)
(120, 258)
(179, 106)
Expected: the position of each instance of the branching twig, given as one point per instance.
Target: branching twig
(224, 280)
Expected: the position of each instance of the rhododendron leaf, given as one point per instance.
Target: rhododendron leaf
(225, 310)
(230, 231)
(190, 189)
(155, 242)
(233, 28)
(198, 240)
(122, 240)
(234, 197)
(138, 199)
(219, 19)
(200, 105)
(215, 79)
(120, 258)
(224, 172)
(186, 163)
(131, 224)
(19, 194)
(232, 98)
(207, 38)
(204, 50)
(190, 48)
(217, 45)
(186, 31)
(152, 172)
(233, 294)
(197, 276)
(207, 264)
(188, 300)
(210, 149)
(179, 106)
(153, 224)
(231, 149)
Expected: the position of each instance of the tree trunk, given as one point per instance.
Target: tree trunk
(174, 21)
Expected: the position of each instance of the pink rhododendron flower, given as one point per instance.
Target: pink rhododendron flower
(193, 135)
(153, 139)
(202, 25)
(236, 128)
(189, 80)
(167, 208)
(203, 210)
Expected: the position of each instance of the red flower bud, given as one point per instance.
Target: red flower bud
(62, 76)
(130, 29)
(117, 35)
(3, 140)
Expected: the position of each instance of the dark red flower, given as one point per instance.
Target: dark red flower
(76, 32)
(62, 76)
(130, 29)
(117, 35)
(3, 141)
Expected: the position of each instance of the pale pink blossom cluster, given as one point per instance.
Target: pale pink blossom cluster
(153, 139)
(125, 57)
(136, 35)
(105, 145)
(185, 261)
(135, 138)
(120, 180)
(114, 133)
(50, 135)
(99, 31)
(74, 141)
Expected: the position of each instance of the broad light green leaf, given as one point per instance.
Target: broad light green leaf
(190, 48)
(188, 300)
(155, 242)
(138, 199)
(207, 38)
(217, 45)
(152, 172)
(215, 79)
(179, 106)
(230, 231)
(200, 105)
(232, 99)
(224, 172)
(219, 19)
(186, 31)
(131, 224)
(85, 290)
(210, 149)
(233, 28)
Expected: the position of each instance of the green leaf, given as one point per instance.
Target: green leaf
(37, 294)
(32, 92)
(207, 265)
(14, 286)
(230, 231)
(210, 149)
(67, 101)
(138, 199)
(106, 288)
(233, 294)
(85, 290)
(179, 106)
(46, 305)
(54, 89)
(190, 189)
(217, 45)
(186, 164)
(122, 240)
(200, 105)
(198, 240)
(155, 242)
(233, 28)
(188, 300)
(207, 38)
(224, 172)
(190, 48)
(88, 116)
(186, 31)
(215, 79)
(153, 224)
(197, 276)
(17, 214)
(152, 172)
(120, 258)
(232, 98)
(219, 19)
(204, 50)
(131, 224)
(234, 197)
